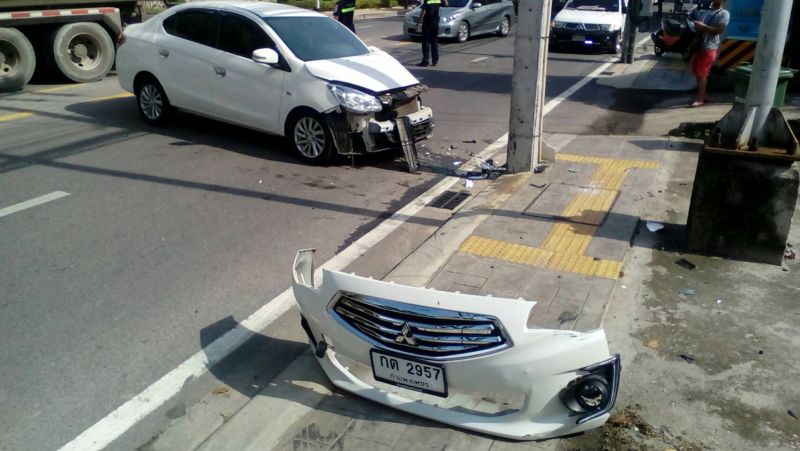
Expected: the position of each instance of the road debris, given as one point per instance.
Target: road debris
(789, 254)
(539, 169)
(654, 226)
(652, 344)
(719, 301)
(688, 359)
(792, 414)
(688, 291)
(220, 390)
(469, 141)
(457, 163)
(468, 183)
(573, 170)
(686, 264)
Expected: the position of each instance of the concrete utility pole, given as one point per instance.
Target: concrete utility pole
(629, 37)
(528, 85)
(775, 15)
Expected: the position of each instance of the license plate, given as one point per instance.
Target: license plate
(409, 373)
(578, 37)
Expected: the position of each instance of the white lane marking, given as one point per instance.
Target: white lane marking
(365, 26)
(32, 203)
(105, 431)
(554, 102)
(477, 60)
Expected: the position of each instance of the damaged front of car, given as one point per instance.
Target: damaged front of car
(464, 360)
(374, 95)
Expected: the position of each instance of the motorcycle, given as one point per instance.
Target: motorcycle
(677, 35)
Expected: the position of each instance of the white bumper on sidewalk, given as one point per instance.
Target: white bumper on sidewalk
(497, 376)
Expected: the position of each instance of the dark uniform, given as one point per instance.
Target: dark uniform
(430, 30)
(344, 13)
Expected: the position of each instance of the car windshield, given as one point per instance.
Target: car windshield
(594, 5)
(316, 38)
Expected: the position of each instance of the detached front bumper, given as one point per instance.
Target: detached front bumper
(502, 378)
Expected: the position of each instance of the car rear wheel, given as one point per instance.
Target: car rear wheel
(505, 26)
(658, 50)
(311, 138)
(152, 102)
(463, 32)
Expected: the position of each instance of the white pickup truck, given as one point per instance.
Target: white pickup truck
(75, 39)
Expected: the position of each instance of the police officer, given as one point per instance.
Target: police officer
(343, 12)
(429, 26)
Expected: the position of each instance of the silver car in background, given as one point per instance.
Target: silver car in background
(461, 19)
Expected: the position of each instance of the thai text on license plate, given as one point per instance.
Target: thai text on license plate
(409, 373)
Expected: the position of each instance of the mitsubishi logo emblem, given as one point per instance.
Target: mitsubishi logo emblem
(406, 337)
(580, 27)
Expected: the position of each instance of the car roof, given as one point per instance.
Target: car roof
(261, 8)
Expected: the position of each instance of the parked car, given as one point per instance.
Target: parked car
(590, 23)
(461, 19)
(275, 68)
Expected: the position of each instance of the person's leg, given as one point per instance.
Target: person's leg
(702, 84)
(426, 47)
(434, 46)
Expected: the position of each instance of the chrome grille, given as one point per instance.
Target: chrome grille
(429, 333)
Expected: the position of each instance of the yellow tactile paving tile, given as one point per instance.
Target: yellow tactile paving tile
(565, 247)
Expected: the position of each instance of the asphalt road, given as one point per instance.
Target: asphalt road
(167, 231)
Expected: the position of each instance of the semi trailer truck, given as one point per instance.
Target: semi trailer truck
(74, 40)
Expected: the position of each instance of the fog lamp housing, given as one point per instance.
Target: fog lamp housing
(594, 393)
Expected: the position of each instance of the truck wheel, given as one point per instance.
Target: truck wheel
(83, 51)
(17, 60)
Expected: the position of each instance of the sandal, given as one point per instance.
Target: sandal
(695, 104)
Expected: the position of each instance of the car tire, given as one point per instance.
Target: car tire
(152, 102)
(83, 52)
(310, 137)
(17, 60)
(616, 46)
(505, 27)
(463, 32)
(659, 51)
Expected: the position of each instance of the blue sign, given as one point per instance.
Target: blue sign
(745, 19)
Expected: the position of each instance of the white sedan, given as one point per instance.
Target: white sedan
(274, 68)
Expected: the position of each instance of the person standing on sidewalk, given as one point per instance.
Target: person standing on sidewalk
(711, 27)
(343, 11)
(428, 24)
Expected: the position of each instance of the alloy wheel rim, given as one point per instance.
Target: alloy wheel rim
(463, 31)
(151, 102)
(505, 25)
(309, 137)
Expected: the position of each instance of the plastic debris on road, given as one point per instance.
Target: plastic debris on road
(719, 301)
(573, 170)
(654, 226)
(686, 264)
(687, 358)
(469, 183)
(688, 291)
(457, 163)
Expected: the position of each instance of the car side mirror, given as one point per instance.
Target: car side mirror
(476, 5)
(265, 56)
(373, 49)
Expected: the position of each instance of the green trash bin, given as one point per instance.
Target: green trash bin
(741, 80)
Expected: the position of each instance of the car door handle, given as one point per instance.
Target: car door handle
(164, 53)
(220, 71)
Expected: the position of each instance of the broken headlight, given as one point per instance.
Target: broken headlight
(355, 100)
(594, 393)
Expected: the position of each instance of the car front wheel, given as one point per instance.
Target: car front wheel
(463, 32)
(311, 138)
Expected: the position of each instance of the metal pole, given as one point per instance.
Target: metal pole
(775, 16)
(629, 43)
(528, 85)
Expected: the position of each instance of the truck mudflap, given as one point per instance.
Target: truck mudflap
(464, 360)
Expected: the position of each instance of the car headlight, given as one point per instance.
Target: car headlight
(448, 19)
(609, 27)
(355, 100)
(558, 24)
